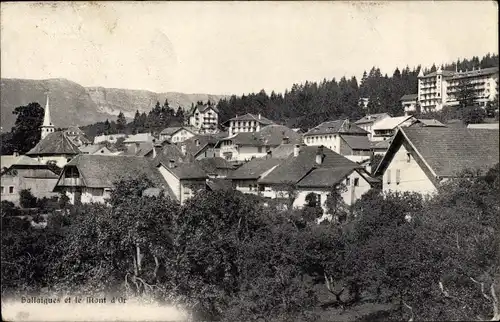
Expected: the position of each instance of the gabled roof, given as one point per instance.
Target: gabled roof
(446, 151)
(356, 142)
(101, 171)
(391, 122)
(254, 169)
(293, 169)
(211, 165)
(282, 151)
(175, 129)
(185, 170)
(371, 118)
(92, 148)
(55, 143)
(335, 127)
(169, 152)
(409, 97)
(251, 117)
(197, 143)
(445, 73)
(203, 108)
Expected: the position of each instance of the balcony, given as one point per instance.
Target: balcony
(71, 182)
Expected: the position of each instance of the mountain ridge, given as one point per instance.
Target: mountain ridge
(73, 104)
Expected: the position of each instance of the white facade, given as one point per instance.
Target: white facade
(181, 136)
(335, 143)
(409, 106)
(87, 195)
(439, 89)
(60, 160)
(403, 174)
(237, 126)
(232, 152)
(206, 121)
(181, 188)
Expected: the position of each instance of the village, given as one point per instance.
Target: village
(255, 155)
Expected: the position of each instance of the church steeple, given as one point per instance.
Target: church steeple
(47, 126)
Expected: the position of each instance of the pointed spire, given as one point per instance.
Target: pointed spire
(47, 126)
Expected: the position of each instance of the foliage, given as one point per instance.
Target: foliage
(25, 133)
(27, 199)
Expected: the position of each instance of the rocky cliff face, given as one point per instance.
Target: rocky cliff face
(73, 104)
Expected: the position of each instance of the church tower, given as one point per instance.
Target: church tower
(47, 126)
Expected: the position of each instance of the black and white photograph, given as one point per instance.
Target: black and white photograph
(261, 161)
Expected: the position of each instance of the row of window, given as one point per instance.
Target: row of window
(317, 138)
(11, 190)
(355, 182)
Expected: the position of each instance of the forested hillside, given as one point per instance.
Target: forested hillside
(305, 105)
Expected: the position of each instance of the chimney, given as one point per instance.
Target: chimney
(136, 147)
(319, 155)
(16, 154)
(259, 116)
(285, 140)
(296, 150)
(171, 163)
(183, 149)
(269, 154)
(154, 152)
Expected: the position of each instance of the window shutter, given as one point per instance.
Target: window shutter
(398, 176)
(388, 176)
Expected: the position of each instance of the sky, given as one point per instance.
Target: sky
(235, 47)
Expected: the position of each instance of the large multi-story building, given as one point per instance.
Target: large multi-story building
(204, 118)
(440, 88)
(247, 123)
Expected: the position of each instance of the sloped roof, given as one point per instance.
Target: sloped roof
(169, 152)
(211, 165)
(141, 150)
(429, 122)
(491, 126)
(381, 145)
(171, 130)
(8, 161)
(409, 97)
(273, 135)
(55, 143)
(334, 127)
(282, 151)
(357, 142)
(101, 171)
(370, 118)
(196, 143)
(390, 123)
(445, 73)
(326, 177)
(185, 170)
(294, 168)
(255, 168)
(204, 107)
(447, 151)
(251, 117)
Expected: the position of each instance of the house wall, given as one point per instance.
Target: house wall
(172, 181)
(411, 178)
(204, 121)
(206, 153)
(26, 179)
(242, 153)
(181, 136)
(246, 186)
(244, 126)
(331, 141)
(87, 195)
